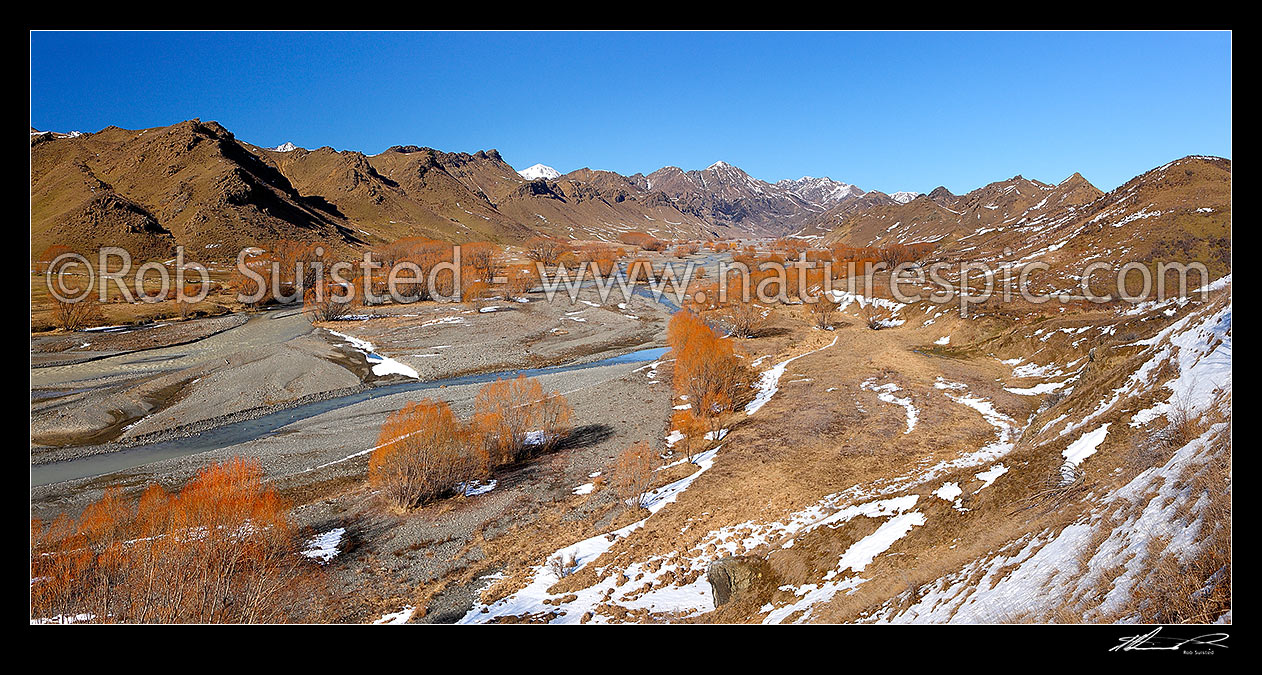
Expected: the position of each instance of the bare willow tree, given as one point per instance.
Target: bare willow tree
(545, 250)
(633, 475)
(823, 309)
(75, 315)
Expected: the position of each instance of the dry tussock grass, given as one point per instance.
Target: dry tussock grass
(1196, 587)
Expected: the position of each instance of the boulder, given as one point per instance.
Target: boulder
(733, 575)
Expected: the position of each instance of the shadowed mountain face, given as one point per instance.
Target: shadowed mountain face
(192, 183)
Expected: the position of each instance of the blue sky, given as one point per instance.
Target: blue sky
(885, 111)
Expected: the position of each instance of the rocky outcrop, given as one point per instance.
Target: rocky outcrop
(734, 576)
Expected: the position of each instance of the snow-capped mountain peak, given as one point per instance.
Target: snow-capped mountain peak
(821, 191)
(904, 197)
(539, 171)
(285, 147)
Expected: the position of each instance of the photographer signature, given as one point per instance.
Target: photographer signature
(1153, 642)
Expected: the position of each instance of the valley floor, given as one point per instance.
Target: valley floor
(1048, 468)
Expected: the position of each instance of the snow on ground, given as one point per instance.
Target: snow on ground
(885, 392)
(949, 491)
(1200, 350)
(1203, 356)
(827, 512)
(398, 617)
(692, 598)
(844, 298)
(1006, 431)
(1093, 565)
(1217, 285)
(769, 383)
(381, 365)
(989, 476)
(856, 558)
(1036, 390)
(715, 435)
(474, 488)
(1080, 450)
(1047, 570)
(324, 547)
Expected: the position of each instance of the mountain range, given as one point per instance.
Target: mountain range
(196, 184)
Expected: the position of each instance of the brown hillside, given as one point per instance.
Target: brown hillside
(191, 183)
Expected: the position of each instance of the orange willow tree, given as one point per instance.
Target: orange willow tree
(423, 452)
(707, 369)
(517, 417)
(222, 550)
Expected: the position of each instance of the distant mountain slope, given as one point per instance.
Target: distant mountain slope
(943, 216)
(601, 205)
(820, 191)
(195, 184)
(1179, 212)
(727, 196)
(410, 191)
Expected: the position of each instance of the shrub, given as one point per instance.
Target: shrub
(562, 567)
(423, 452)
(823, 309)
(743, 318)
(633, 474)
(76, 315)
(246, 287)
(694, 428)
(483, 258)
(640, 270)
(1183, 423)
(327, 302)
(545, 250)
(300, 264)
(897, 254)
(706, 367)
(475, 292)
(644, 240)
(425, 254)
(740, 316)
(685, 250)
(516, 417)
(220, 551)
(184, 304)
(600, 259)
(519, 281)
